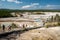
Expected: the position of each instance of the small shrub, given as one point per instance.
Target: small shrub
(46, 26)
(0, 26)
(13, 25)
(59, 23)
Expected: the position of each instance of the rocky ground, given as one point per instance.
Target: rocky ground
(9, 35)
(52, 33)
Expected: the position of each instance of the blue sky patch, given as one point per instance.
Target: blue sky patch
(30, 4)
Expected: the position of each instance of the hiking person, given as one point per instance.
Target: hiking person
(23, 26)
(3, 27)
(9, 28)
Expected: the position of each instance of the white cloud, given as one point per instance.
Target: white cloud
(26, 6)
(15, 1)
(50, 7)
(11, 0)
(34, 3)
(29, 6)
(18, 2)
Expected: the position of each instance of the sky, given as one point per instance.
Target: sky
(29, 4)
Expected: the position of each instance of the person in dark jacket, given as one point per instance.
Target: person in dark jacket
(3, 27)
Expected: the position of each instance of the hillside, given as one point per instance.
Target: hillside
(6, 12)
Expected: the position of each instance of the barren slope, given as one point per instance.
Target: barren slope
(52, 33)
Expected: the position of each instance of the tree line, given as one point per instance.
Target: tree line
(55, 18)
(6, 12)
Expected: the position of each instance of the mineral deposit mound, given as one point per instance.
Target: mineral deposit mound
(52, 33)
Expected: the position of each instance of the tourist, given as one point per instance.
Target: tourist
(3, 27)
(23, 26)
(9, 28)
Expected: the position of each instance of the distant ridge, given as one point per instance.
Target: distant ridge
(38, 10)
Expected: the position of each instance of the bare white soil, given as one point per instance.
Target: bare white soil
(52, 33)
